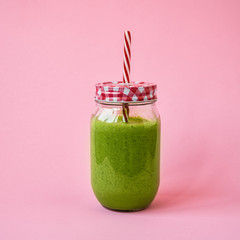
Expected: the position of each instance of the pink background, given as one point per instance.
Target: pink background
(51, 55)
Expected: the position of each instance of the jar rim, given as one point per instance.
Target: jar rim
(131, 103)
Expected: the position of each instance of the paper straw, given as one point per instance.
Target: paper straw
(127, 57)
(126, 69)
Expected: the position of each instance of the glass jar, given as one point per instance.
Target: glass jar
(125, 155)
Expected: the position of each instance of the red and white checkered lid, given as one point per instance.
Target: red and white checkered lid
(125, 92)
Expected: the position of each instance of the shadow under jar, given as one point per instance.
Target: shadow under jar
(125, 151)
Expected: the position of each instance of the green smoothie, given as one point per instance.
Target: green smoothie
(125, 162)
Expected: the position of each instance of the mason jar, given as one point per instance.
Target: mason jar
(125, 145)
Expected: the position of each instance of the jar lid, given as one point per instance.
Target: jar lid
(125, 92)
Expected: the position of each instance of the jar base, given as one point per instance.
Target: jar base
(121, 210)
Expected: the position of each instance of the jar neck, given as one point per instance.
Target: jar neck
(150, 102)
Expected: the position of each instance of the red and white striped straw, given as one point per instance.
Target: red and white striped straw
(126, 69)
(127, 57)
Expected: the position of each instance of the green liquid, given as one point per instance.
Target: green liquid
(125, 162)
